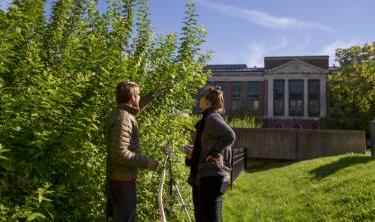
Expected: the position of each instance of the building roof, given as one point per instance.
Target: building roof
(321, 61)
(232, 68)
(270, 62)
(227, 67)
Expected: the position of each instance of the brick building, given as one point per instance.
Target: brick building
(289, 92)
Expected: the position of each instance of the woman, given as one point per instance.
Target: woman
(211, 158)
(192, 160)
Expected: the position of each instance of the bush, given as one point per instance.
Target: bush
(246, 122)
(57, 81)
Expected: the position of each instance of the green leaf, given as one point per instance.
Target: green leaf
(35, 216)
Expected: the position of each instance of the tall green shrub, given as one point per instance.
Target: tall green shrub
(57, 81)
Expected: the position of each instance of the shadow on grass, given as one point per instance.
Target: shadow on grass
(270, 166)
(329, 169)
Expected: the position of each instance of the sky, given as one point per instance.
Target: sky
(245, 31)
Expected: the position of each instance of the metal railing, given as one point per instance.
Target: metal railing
(238, 162)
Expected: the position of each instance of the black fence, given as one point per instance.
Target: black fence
(238, 162)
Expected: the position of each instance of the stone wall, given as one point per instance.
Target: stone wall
(294, 144)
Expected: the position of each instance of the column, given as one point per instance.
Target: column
(270, 97)
(286, 97)
(244, 93)
(305, 98)
(323, 96)
(228, 108)
(264, 96)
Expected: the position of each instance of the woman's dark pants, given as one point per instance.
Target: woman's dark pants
(211, 196)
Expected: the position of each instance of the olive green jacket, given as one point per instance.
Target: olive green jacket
(124, 158)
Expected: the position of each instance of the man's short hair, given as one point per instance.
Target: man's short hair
(125, 90)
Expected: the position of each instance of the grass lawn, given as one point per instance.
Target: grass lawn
(340, 188)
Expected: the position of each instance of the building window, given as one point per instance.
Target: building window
(278, 97)
(254, 95)
(236, 95)
(314, 97)
(296, 97)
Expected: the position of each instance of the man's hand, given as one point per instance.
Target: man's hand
(152, 165)
(189, 154)
(219, 159)
(151, 96)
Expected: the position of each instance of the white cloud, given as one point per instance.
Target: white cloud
(330, 49)
(306, 43)
(4, 4)
(258, 50)
(297, 47)
(253, 53)
(261, 18)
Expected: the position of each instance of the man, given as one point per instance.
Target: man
(124, 158)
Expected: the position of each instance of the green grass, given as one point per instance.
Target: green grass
(340, 188)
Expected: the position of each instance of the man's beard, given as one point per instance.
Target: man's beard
(135, 104)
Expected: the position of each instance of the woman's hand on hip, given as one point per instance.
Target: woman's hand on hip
(219, 159)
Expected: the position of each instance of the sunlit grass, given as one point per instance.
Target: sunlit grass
(340, 188)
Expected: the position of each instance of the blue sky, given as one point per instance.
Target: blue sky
(244, 31)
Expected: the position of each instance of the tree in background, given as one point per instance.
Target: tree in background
(57, 81)
(352, 89)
